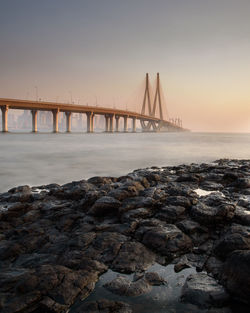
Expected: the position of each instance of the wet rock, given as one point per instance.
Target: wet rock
(242, 216)
(136, 202)
(214, 266)
(214, 210)
(141, 284)
(104, 306)
(105, 247)
(190, 227)
(241, 183)
(167, 240)
(236, 237)
(139, 213)
(179, 201)
(132, 257)
(57, 241)
(25, 189)
(182, 264)
(154, 279)
(76, 190)
(124, 287)
(100, 181)
(204, 291)
(49, 305)
(171, 214)
(236, 275)
(59, 283)
(105, 206)
(189, 178)
(211, 186)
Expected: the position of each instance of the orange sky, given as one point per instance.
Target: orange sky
(99, 52)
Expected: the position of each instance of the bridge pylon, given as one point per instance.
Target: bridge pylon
(156, 126)
(146, 105)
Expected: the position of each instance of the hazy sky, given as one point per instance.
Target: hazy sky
(100, 50)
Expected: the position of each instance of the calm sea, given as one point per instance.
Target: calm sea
(37, 159)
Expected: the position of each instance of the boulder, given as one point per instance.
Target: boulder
(124, 287)
(167, 240)
(132, 257)
(236, 237)
(105, 206)
(104, 306)
(204, 291)
(213, 212)
(236, 275)
(171, 214)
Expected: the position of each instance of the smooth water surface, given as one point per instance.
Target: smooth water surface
(43, 158)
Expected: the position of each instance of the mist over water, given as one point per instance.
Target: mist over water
(37, 159)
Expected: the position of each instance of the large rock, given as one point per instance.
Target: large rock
(204, 291)
(236, 275)
(135, 214)
(237, 237)
(136, 202)
(55, 286)
(104, 306)
(213, 210)
(124, 287)
(132, 257)
(242, 216)
(171, 214)
(167, 240)
(141, 284)
(105, 206)
(105, 247)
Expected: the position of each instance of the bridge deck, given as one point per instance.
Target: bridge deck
(73, 108)
(62, 107)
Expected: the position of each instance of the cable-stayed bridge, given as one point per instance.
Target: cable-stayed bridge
(151, 117)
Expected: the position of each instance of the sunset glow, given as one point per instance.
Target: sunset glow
(98, 52)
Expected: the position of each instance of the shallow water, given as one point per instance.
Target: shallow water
(162, 299)
(43, 158)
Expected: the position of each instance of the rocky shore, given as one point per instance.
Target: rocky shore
(56, 242)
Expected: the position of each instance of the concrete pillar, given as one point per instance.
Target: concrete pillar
(92, 122)
(111, 125)
(88, 122)
(106, 123)
(34, 121)
(55, 120)
(117, 123)
(5, 118)
(68, 121)
(134, 125)
(125, 128)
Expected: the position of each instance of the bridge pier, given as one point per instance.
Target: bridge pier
(55, 120)
(134, 125)
(125, 125)
(117, 123)
(34, 121)
(111, 123)
(68, 121)
(90, 122)
(5, 118)
(106, 123)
